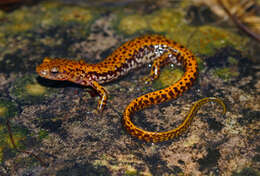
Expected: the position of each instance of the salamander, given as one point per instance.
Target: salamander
(155, 49)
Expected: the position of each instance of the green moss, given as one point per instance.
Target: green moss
(159, 21)
(28, 90)
(35, 89)
(226, 73)
(232, 60)
(8, 109)
(57, 14)
(21, 20)
(81, 15)
(131, 173)
(14, 33)
(39, 27)
(167, 77)
(165, 20)
(204, 39)
(42, 134)
(2, 35)
(200, 63)
(2, 42)
(132, 23)
(185, 4)
(207, 39)
(19, 135)
(2, 14)
(3, 111)
(46, 14)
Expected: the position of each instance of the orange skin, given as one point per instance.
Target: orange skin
(134, 54)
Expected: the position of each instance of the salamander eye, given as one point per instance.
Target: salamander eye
(54, 70)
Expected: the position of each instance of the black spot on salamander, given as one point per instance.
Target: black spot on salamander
(146, 101)
(183, 87)
(171, 93)
(164, 96)
(151, 99)
(176, 89)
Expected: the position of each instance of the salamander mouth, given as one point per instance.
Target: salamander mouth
(43, 73)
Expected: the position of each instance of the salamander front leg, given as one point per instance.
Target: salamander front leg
(102, 93)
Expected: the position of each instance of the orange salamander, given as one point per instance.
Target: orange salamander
(133, 54)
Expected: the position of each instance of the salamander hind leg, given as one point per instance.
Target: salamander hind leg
(157, 64)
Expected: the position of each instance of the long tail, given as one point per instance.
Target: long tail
(154, 137)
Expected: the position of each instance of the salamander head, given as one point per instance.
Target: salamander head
(58, 69)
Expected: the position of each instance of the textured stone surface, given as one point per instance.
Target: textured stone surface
(56, 120)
